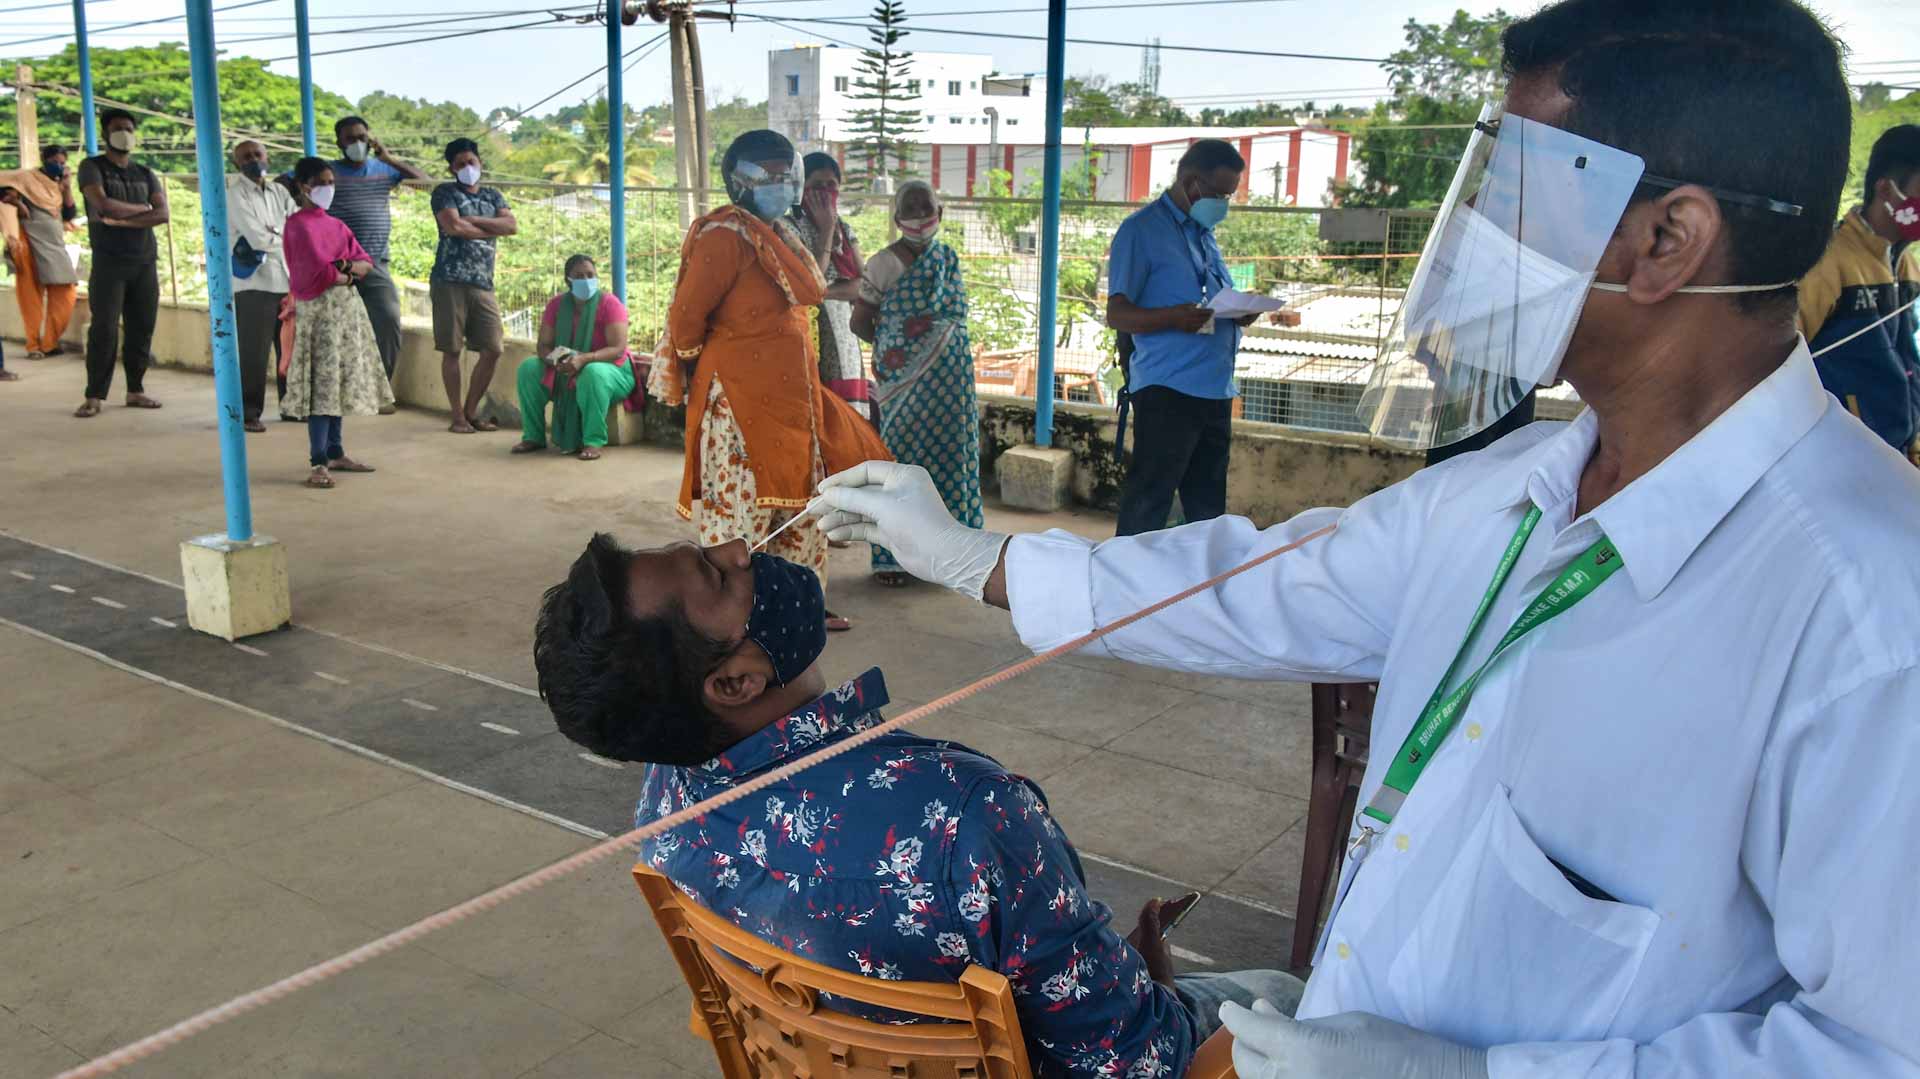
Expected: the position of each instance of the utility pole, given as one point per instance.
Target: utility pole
(692, 140)
(28, 121)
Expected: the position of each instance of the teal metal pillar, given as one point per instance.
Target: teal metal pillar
(86, 77)
(211, 158)
(617, 150)
(306, 78)
(1050, 220)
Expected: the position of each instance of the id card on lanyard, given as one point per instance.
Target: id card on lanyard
(1197, 259)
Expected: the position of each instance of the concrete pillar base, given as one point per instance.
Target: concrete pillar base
(1035, 478)
(235, 590)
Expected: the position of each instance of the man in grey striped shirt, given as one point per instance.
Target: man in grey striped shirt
(365, 177)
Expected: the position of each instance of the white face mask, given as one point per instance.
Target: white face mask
(123, 141)
(357, 151)
(321, 196)
(468, 174)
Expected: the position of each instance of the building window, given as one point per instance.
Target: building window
(793, 86)
(1013, 123)
(973, 119)
(974, 85)
(913, 86)
(840, 84)
(953, 88)
(953, 119)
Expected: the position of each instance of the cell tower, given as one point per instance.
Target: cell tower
(1150, 67)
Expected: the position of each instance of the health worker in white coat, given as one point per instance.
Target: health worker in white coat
(1643, 800)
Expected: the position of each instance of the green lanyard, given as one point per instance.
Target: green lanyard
(1576, 582)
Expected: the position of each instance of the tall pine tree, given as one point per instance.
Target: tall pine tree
(887, 119)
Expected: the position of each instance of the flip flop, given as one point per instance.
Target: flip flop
(320, 479)
(87, 410)
(527, 447)
(458, 429)
(8, 376)
(348, 464)
(143, 401)
(588, 454)
(893, 578)
(483, 425)
(255, 426)
(838, 623)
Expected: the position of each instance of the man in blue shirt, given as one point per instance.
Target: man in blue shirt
(364, 177)
(905, 859)
(1162, 270)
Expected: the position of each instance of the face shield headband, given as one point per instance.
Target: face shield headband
(1504, 276)
(766, 194)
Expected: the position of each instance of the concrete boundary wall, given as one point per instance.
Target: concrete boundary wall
(1276, 471)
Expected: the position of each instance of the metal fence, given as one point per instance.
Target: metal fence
(1346, 286)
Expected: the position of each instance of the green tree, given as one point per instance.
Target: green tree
(1096, 101)
(158, 78)
(583, 157)
(1410, 147)
(1868, 126)
(416, 130)
(885, 120)
(728, 120)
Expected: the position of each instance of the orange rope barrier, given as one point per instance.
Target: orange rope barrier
(340, 964)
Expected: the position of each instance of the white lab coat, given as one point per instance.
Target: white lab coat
(1725, 737)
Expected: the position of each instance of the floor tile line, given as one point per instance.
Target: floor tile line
(338, 743)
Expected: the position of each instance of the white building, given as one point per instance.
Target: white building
(810, 95)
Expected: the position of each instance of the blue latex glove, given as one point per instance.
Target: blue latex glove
(1353, 1045)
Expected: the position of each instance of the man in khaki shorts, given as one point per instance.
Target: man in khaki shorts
(465, 313)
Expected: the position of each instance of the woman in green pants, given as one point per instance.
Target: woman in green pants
(580, 366)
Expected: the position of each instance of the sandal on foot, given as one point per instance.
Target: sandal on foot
(523, 446)
(837, 623)
(141, 400)
(588, 454)
(461, 427)
(893, 578)
(88, 409)
(482, 425)
(348, 464)
(320, 478)
(8, 376)
(255, 426)
(36, 355)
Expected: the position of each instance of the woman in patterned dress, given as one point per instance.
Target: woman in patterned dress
(762, 429)
(913, 307)
(335, 367)
(831, 242)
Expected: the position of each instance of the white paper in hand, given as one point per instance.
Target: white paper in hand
(1234, 304)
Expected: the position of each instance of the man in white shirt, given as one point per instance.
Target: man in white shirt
(257, 211)
(1669, 832)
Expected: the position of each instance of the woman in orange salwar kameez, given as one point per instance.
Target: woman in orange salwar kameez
(762, 429)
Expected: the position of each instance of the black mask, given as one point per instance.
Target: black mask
(253, 170)
(789, 619)
(54, 171)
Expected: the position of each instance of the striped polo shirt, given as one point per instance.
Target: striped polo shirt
(362, 198)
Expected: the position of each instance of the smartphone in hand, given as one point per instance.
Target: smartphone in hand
(1175, 911)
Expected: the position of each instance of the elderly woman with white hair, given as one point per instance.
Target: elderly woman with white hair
(913, 310)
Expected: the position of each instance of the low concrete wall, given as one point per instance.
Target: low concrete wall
(1275, 471)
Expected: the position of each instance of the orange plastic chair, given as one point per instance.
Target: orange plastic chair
(770, 1025)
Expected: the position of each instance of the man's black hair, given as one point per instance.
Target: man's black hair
(308, 169)
(575, 260)
(1896, 157)
(48, 153)
(627, 688)
(816, 161)
(460, 146)
(1742, 95)
(108, 116)
(1207, 155)
(345, 122)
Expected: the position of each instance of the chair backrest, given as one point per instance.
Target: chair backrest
(761, 1008)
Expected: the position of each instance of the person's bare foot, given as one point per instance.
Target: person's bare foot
(320, 478)
(588, 453)
(478, 424)
(141, 400)
(523, 446)
(88, 408)
(461, 427)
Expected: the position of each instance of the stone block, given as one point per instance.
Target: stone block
(235, 590)
(1035, 477)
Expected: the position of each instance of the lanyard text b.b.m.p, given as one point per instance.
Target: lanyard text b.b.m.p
(1437, 719)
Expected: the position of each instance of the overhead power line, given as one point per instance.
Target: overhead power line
(129, 25)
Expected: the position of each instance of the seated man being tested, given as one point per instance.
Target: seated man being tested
(905, 859)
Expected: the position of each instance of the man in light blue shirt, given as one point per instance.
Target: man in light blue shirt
(1162, 269)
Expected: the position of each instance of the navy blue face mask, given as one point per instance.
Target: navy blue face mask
(789, 619)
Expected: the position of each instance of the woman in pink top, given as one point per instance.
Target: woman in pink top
(580, 365)
(335, 367)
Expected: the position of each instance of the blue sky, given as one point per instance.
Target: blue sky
(518, 67)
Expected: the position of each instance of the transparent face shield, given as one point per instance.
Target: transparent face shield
(768, 191)
(1501, 282)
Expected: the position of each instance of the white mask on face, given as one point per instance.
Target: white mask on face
(357, 151)
(123, 141)
(468, 174)
(321, 196)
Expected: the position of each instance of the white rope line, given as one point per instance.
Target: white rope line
(1895, 313)
(399, 938)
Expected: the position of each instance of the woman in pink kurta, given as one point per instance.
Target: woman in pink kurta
(334, 370)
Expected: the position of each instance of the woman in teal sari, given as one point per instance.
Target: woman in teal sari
(913, 309)
(580, 366)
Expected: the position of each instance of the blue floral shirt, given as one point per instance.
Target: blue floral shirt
(908, 859)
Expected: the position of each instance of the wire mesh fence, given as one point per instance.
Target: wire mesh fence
(1344, 273)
